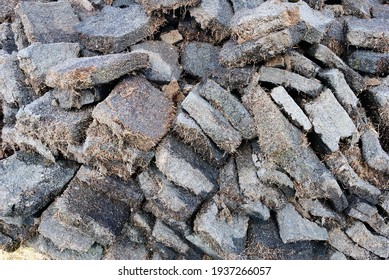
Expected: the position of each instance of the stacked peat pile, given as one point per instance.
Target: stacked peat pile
(188, 129)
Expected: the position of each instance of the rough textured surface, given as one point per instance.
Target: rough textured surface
(38, 58)
(162, 233)
(48, 22)
(137, 97)
(164, 5)
(225, 235)
(245, 4)
(330, 121)
(267, 244)
(230, 107)
(163, 58)
(165, 200)
(294, 228)
(288, 152)
(369, 62)
(86, 72)
(359, 8)
(7, 42)
(344, 173)
(50, 130)
(212, 122)
(311, 87)
(337, 83)
(369, 33)
(13, 90)
(300, 64)
(192, 134)
(317, 22)
(109, 153)
(255, 194)
(251, 24)
(97, 209)
(214, 15)
(373, 153)
(130, 245)
(185, 168)
(24, 196)
(369, 214)
(233, 54)
(188, 129)
(113, 29)
(202, 60)
(376, 244)
(45, 246)
(7, 8)
(70, 98)
(339, 240)
(287, 104)
(330, 59)
(199, 58)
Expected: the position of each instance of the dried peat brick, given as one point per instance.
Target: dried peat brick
(163, 58)
(373, 153)
(50, 130)
(191, 134)
(330, 121)
(233, 54)
(311, 87)
(224, 233)
(109, 153)
(300, 64)
(52, 22)
(364, 238)
(358, 8)
(151, 6)
(137, 98)
(61, 235)
(334, 79)
(245, 4)
(369, 62)
(166, 200)
(112, 30)
(94, 210)
(294, 228)
(86, 72)
(215, 16)
(185, 168)
(13, 90)
(339, 240)
(344, 173)
(212, 122)
(369, 33)
(230, 107)
(168, 237)
(296, 115)
(330, 59)
(202, 60)
(26, 195)
(289, 151)
(317, 22)
(38, 58)
(75, 99)
(251, 24)
(199, 59)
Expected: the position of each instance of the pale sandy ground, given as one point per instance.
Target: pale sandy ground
(23, 253)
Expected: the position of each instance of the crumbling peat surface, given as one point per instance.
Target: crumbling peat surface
(188, 129)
